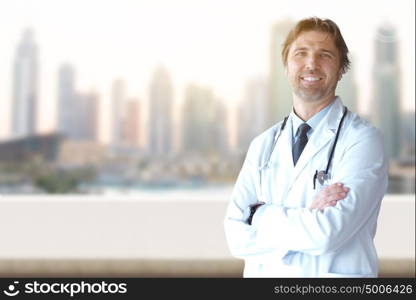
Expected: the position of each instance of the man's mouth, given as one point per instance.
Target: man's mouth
(311, 78)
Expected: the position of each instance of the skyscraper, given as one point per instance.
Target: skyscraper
(407, 145)
(77, 112)
(386, 101)
(118, 110)
(347, 89)
(221, 131)
(204, 122)
(197, 116)
(25, 87)
(280, 103)
(68, 106)
(88, 116)
(252, 112)
(131, 123)
(161, 114)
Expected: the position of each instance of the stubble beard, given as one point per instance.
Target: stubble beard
(313, 94)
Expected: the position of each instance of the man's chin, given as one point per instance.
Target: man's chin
(309, 95)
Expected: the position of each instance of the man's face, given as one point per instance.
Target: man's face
(313, 66)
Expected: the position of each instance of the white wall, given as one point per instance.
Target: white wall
(159, 227)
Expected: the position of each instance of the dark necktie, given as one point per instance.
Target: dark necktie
(300, 142)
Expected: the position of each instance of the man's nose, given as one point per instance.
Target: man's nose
(311, 62)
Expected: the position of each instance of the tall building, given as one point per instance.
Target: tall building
(87, 119)
(386, 101)
(161, 114)
(131, 123)
(68, 106)
(280, 104)
(25, 87)
(252, 112)
(118, 111)
(347, 89)
(77, 112)
(407, 153)
(221, 130)
(204, 122)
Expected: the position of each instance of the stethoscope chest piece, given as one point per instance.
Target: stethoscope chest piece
(322, 176)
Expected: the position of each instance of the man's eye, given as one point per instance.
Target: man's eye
(326, 55)
(300, 53)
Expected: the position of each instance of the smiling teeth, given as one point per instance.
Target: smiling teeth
(311, 78)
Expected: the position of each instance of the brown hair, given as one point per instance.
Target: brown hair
(322, 25)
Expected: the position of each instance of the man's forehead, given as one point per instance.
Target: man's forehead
(314, 38)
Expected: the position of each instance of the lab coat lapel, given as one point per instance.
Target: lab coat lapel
(283, 148)
(323, 135)
(319, 140)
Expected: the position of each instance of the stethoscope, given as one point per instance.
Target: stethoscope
(322, 175)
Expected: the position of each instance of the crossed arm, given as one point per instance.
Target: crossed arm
(325, 198)
(320, 228)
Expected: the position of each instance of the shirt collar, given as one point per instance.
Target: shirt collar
(312, 122)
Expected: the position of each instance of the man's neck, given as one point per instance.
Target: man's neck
(306, 110)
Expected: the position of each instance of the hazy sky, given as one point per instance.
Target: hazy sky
(219, 43)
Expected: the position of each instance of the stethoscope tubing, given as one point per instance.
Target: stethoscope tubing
(282, 127)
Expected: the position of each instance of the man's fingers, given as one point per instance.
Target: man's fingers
(328, 204)
(330, 195)
(336, 190)
(336, 197)
(333, 188)
(325, 203)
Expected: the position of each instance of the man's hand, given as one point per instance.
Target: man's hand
(329, 196)
(253, 209)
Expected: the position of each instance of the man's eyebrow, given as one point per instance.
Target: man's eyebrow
(301, 48)
(327, 51)
(321, 49)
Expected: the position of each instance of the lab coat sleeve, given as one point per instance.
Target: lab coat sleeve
(362, 168)
(241, 237)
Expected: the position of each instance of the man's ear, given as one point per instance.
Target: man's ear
(340, 74)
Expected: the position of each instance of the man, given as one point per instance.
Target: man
(296, 209)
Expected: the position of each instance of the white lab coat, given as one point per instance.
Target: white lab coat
(286, 238)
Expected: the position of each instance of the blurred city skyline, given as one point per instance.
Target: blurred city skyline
(192, 48)
(61, 136)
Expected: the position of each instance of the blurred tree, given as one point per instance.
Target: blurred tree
(63, 181)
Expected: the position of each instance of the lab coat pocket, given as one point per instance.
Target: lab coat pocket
(319, 185)
(321, 180)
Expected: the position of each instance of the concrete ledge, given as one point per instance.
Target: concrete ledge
(397, 268)
(121, 268)
(156, 268)
(164, 236)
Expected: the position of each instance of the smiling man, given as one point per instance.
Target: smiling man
(307, 198)
(313, 66)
